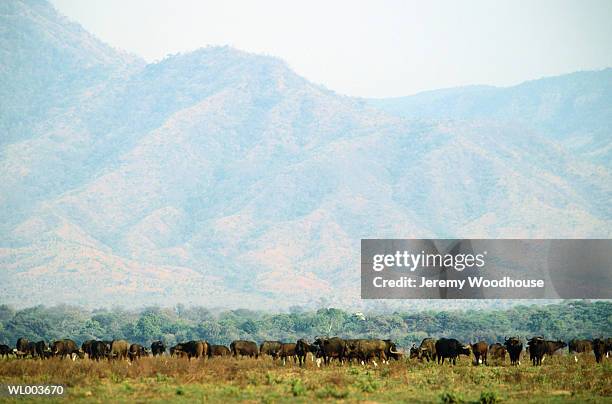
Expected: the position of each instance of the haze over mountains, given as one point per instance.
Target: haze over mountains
(222, 178)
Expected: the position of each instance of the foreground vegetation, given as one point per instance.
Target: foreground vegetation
(574, 319)
(227, 379)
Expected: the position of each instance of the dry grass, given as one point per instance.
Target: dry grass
(228, 379)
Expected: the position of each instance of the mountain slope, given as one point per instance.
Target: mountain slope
(575, 109)
(51, 70)
(47, 64)
(220, 177)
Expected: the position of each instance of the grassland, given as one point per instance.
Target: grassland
(165, 379)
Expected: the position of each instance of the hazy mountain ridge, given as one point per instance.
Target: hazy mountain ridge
(220, 177)
(575, 108)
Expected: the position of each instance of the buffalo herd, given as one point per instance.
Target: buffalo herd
(322, 350)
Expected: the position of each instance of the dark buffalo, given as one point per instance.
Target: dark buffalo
(426, 350)
(391, 351)
(599, 347)
(31, 350)
(86, 346)
(497, 351)
(366, 350)
(480, 350)
(271, 348)
(537, 350)
(66, 347)
(191, 349)
(351, 350)
(302, 347)
(578, 346)
(158, 348)
(450, 348)
(244, 348)
(136, 351)
(330, 348)
(414, 352)
(553, 346)
(5, 350)
(42, 350)
(99, 350)
(514, 347)
(218, 350)
(178, 350)
(608, 342)
(287, 350)
(119, 349)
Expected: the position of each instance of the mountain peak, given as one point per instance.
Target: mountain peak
(223, 61)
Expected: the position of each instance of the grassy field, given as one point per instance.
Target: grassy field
(227, 380)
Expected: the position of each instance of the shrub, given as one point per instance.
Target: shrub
(450, 398)
(488, 397)
(297, 388)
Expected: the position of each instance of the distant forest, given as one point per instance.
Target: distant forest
(574, 319)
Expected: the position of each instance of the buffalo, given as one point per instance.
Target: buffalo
(287, 350)
(414, 352)
(136, 351)
(350, 350)
(480, 350)
(22, 347)
(552, 346)
(42, 349)
(177, 350)
(329, 348)
(599, 347)
(271, 348)
(66, 347)
(426, 350)
(191, 349)
(497, 351)
(86, 346)
(578, 346)
(22, 344)
(537, 350)
(99, 350)
(158, 348)
(450, 348)
(366, 350)
(244, 348)
(5, 350)
(108, 344)
(514, 347)
(31, 350)
(391, 351)
(119, 349)
(218, 350)
(302, 347)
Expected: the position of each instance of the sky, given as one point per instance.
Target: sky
(370, 48)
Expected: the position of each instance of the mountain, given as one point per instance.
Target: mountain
(574, 109)
(48, 65)
(222, 178)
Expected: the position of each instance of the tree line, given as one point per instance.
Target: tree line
(573, 319)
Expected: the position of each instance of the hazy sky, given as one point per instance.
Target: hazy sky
(374, 48)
